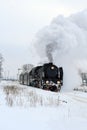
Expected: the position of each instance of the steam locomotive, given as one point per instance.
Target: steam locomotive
(47, 76)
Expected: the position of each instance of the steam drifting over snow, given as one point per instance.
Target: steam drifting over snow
(64, 42)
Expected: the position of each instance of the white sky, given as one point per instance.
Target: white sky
(19, 22)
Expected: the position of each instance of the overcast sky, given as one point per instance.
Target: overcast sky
(20, 20)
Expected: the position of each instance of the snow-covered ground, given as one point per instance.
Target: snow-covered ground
(25, 108)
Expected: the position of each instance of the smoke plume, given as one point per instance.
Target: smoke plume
(64, 42)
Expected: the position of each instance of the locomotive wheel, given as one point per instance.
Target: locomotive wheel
(36, 83)
(40, 85)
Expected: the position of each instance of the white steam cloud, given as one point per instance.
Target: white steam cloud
(64, 42)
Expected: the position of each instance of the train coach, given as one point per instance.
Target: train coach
(47, 76)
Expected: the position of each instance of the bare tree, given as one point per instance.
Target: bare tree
(27, 67)
(1, 60)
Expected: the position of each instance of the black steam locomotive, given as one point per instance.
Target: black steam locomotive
(48, 77)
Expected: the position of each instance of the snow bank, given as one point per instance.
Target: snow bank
(64, 43)
(69, 114)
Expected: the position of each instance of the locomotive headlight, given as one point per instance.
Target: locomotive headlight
(52, 67)
(58, 82)
(84, 81)
(47, 82)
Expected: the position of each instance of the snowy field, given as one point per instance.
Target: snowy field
(24, 108)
